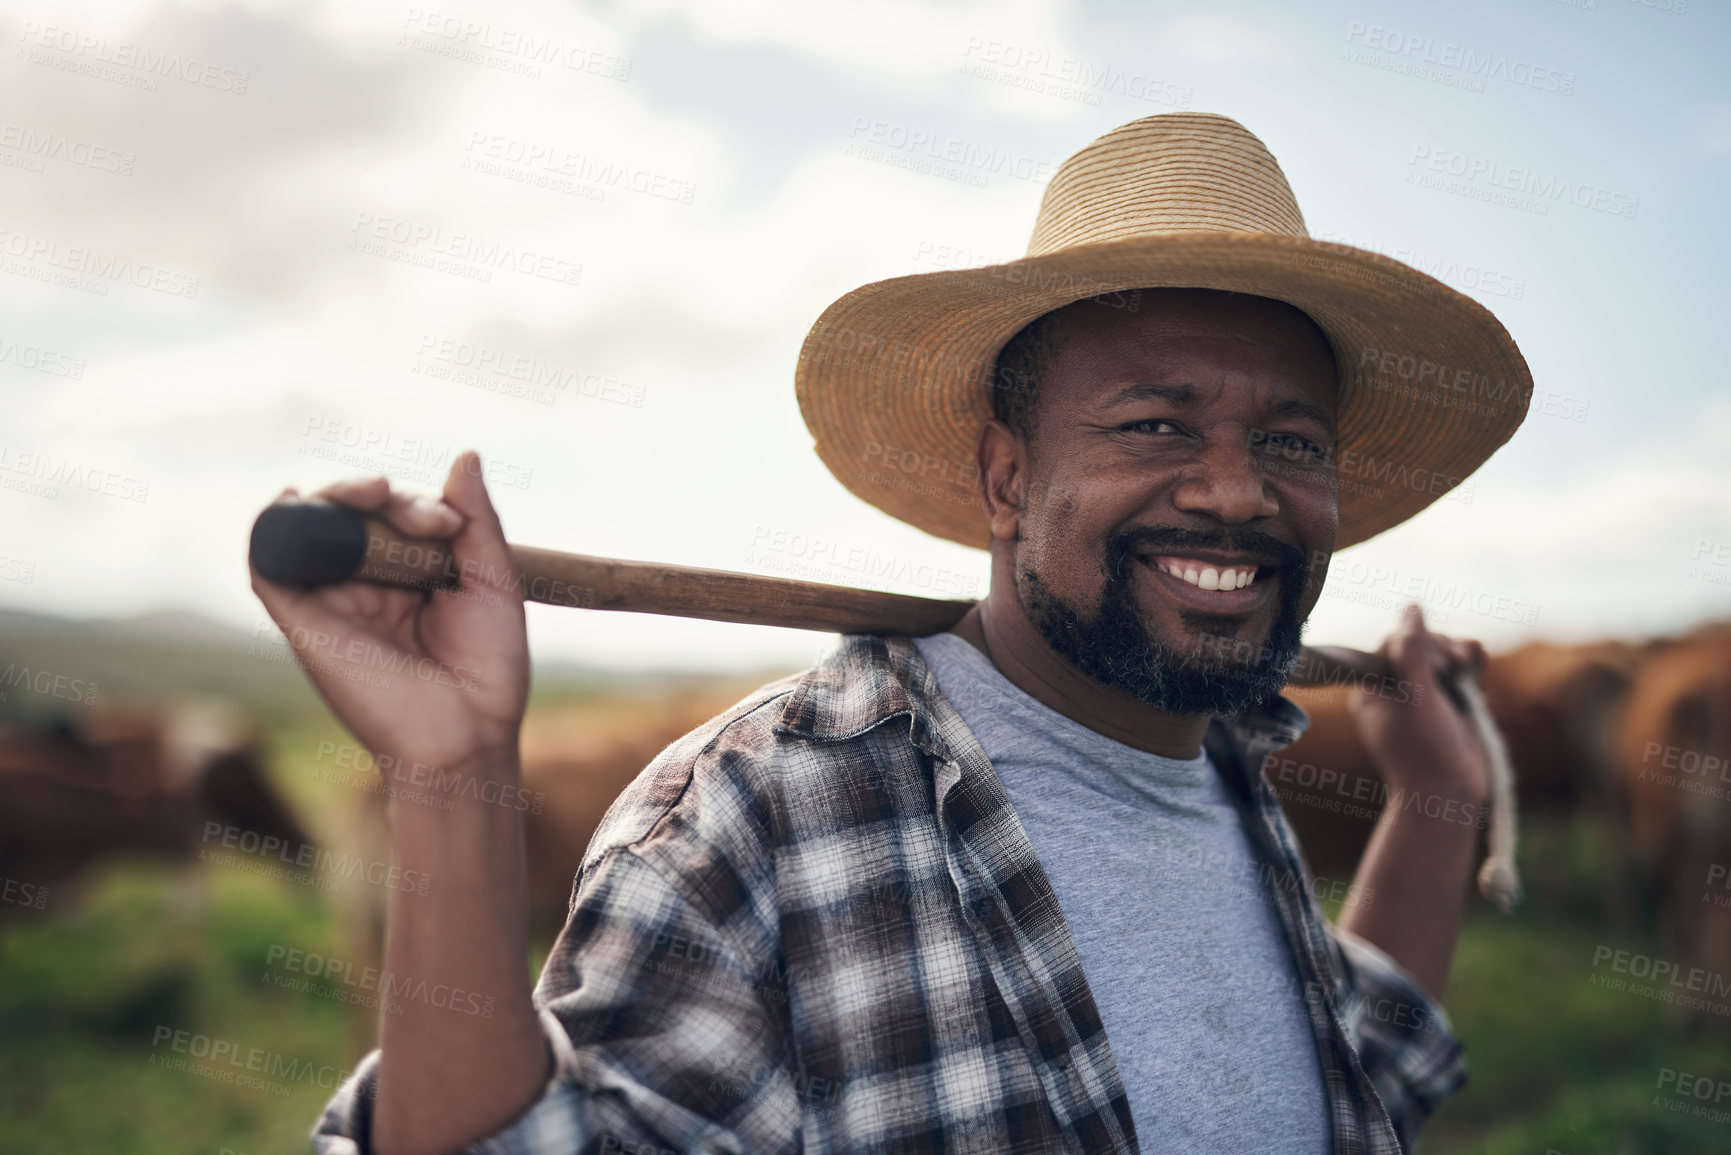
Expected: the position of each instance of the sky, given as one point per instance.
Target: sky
(239, 250)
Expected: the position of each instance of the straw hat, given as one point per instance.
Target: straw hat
(894, 380)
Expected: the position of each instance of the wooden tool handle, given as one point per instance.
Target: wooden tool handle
(313, 543)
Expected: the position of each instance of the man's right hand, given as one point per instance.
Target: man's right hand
(441, 679)
(435, 678)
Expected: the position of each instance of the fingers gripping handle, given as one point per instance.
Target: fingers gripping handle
(316, 543)
(1498, 879)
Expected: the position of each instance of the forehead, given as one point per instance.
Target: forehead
(1201, 336)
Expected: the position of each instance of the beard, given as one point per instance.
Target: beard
(1220, 674)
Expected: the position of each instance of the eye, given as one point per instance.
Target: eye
(1289, 445)
(1150, 425)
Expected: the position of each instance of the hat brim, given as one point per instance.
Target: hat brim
(894, 378)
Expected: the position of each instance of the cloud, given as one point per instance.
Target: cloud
(218, 173)
(901, 45)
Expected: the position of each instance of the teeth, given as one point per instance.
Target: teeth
(1209, 577)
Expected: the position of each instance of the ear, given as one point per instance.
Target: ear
(1003, 462)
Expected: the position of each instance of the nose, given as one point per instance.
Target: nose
(1225, 483)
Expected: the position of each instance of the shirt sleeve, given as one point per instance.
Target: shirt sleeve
(665, 1038)
(1403, 1037)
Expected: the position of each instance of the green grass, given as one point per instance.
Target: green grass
(1557, 1063)
(83, 1002)
(83, 993)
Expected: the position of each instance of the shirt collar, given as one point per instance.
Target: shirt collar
(869, 679)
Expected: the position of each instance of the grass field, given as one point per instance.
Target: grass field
(86, 996)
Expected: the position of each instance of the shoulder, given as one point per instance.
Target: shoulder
(713, 769)
(754, 774)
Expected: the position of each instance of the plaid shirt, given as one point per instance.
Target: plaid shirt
(815, 923)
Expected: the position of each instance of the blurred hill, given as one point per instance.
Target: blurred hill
(154, 657)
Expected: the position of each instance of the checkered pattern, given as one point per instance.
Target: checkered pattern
(815, 923)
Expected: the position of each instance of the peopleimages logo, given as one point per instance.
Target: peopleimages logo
(74, 475)
(47, 683)
(818, 558)
(1478, 177)
(38, 146)
(105, 59)
(1662, 979)
(1065, 77)
(228, 1059)
(499, 151)
(483, 362)
(47, 255)
(967, 156)
(508, 49)
(463, 254)
(1467, 63)
(40, 360)
(415, 458)
(23, 893)
(329, 977)
(1468, 275)
(307, 857)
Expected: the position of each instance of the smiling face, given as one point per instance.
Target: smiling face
(1173, 477)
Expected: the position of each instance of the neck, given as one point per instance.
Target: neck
(999, 628)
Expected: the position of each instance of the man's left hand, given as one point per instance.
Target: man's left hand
(1421, 854)
(1418, 739)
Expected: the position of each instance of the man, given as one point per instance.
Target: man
(1019, 887)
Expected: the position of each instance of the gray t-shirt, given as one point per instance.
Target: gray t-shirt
(1178, 935)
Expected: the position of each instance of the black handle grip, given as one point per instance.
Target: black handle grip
(308, 543)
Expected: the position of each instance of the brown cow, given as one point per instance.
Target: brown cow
(78, 793)
(1676, 752)
(1557, 706)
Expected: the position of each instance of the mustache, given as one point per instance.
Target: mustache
(1123, 546)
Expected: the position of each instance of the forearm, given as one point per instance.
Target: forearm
(1418, 866)
(452, 1074)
